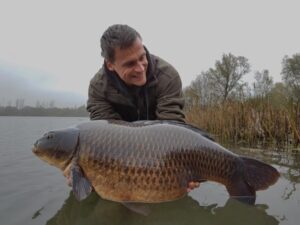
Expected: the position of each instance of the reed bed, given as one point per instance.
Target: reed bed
(253, 123)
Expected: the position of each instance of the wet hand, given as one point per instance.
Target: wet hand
(192, 185)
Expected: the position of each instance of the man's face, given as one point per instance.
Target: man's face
(130, 64)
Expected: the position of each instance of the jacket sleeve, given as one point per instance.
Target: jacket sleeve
(170, 101)
(97, 105)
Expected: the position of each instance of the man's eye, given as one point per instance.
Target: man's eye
(143, 57)
(131, 64)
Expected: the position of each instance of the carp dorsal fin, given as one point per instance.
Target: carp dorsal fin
(80, 184)
(173, 122)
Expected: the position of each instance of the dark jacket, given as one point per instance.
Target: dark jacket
(159, 99)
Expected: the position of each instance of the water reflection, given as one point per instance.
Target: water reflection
(95, 210)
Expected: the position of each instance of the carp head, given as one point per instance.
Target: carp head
(57, 147)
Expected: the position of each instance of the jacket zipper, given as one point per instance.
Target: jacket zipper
(138, 113)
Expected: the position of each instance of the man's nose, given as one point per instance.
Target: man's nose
(139, 68)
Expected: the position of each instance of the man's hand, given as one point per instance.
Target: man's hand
(192, 185)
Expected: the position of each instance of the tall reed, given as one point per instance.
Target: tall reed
(253, 123)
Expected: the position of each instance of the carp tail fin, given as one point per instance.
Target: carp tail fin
(242, 191)
(80, 184)
(259, 175)
(256, 176)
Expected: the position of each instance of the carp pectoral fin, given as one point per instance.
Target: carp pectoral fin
(80, 184)
(139, 208)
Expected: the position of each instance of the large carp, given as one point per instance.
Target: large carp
(148, 161)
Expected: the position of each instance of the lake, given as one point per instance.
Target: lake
(33, 192)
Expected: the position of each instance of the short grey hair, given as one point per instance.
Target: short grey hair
(117, 36)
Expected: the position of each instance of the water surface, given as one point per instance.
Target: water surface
(32, 192)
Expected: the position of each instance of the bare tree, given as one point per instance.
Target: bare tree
(291, 75)
(20, 103)
(201, 91)
(227, 74)
(263, 83)
(52, 104)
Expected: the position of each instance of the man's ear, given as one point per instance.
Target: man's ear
(109, 65)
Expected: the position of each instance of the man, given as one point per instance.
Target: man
(134, 84)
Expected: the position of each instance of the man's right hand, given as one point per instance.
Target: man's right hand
(192, 185)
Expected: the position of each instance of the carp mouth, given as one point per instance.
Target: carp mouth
(58, 146)
(36, 149)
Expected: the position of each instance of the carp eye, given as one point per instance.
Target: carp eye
(49, 135)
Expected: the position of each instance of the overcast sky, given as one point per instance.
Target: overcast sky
(55, 44)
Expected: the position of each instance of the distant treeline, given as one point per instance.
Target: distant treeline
(41, 111)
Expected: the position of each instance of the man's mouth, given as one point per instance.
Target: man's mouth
(138, 76)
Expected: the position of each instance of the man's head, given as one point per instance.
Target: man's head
(124, 53)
